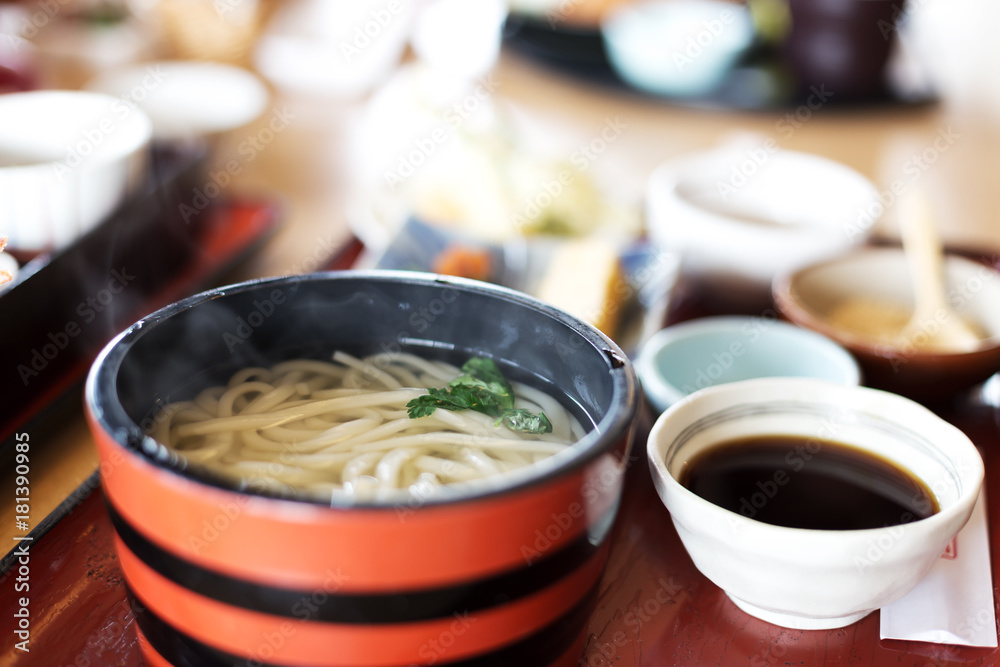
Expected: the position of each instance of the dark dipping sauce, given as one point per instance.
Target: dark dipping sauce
(807, 483)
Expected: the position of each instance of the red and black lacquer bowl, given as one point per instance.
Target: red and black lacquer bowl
(497, 575)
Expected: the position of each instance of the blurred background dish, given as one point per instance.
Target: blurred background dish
(753, 57)
(741, 215)
(705, 352)
(67, 160)
(17, 65)
(458, 36)
(950, 38)
(332, 49)
(18, 56)
(77, 40)
(452, 152)
(187, 99)
(445, 165)
(624, 290)
(844, 46)
(578, 15)
(195, 29)
(863, 300)
(681, 49)
(8, 267)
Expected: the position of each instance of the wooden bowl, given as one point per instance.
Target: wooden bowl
(808, 296)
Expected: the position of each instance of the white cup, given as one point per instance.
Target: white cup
(67, 160)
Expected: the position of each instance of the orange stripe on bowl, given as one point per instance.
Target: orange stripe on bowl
(150, 657)
(300, 545)
(313, 644)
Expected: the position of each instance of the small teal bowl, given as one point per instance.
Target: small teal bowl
(684, 358)
(680, 48)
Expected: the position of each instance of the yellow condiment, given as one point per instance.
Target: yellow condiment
(887, 323)
(873, 319)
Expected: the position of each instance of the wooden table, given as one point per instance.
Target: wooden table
(654, 608)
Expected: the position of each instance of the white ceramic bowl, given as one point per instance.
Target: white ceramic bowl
(67, 160)
(677, 48)
(813, 579)
(686, 357)
(187, 99)
(317, 48)
(741, 216)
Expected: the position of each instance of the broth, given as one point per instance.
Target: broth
(797, 482)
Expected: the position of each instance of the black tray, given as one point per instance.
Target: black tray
(64, 307)
(760, 81)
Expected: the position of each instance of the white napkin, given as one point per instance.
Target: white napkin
(953, 604)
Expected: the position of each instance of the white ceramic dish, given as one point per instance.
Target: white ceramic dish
(333, 49)
(67, 160)
(187, 99)
(459, 37)
(813, 579)
(686, 357)
(741, 216)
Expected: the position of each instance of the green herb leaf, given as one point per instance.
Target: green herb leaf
(476, 397)
(424, 406)
(485, 369)
(484, 374)
(482, 388)
(525, 421)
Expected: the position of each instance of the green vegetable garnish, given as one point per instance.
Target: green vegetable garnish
(483, 388)
(525, 420)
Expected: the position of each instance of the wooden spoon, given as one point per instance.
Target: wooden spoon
(934, 325)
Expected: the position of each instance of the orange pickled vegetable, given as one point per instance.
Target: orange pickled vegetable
(464, 262)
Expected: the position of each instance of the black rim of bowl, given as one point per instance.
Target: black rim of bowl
(101, 396)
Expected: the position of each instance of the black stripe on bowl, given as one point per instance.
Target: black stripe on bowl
(375, 607)
(541, 648)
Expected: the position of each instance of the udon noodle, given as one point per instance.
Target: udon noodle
(322, 428)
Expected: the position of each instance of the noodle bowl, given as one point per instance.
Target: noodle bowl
(249, 507)
(342, 427)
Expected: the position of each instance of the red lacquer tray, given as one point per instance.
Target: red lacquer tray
(654, 608)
